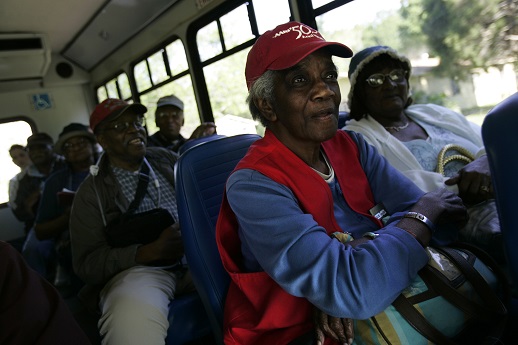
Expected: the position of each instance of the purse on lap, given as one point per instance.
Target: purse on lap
(138, 228)
(456, 299)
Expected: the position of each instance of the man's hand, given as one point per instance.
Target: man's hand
(166, 249)
(340, 330)
(203, 130)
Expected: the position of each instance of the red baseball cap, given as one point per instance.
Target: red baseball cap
(284, 47)
(112, 108)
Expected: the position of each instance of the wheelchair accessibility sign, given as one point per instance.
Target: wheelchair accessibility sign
(41, 101)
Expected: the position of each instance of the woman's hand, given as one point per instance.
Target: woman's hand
(442, 206)
(474, 182)
(340, 330)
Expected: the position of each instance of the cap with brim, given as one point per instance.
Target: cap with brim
(170, 100)
(111, 108)
(70, 131)
(364, 57)
(284, 47)
(39, 139)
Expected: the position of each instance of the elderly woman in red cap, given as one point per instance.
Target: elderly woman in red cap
(418, 140)
(301, 186)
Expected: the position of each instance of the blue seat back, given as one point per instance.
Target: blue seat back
(197, 141)
(499, 132)
(343, 116)
(201, 174)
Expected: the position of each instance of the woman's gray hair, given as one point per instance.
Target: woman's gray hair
(262, 88)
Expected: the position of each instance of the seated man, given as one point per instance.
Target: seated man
(169, 119)
(130, 280)
(78, 145)
(301, 185)
(39, 254)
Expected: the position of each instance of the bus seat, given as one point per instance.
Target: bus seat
(197, 141)
(501, 141)
(343, 116)
(201, 173)
(187, 320)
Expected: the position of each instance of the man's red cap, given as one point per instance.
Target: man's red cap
(284, 47)
(112, 108)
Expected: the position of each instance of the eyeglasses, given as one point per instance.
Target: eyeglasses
(172, 114)
(79, 144)
(375, 80)
(39, 147)
(121, 127)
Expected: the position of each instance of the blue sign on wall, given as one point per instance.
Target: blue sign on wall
(41, 101)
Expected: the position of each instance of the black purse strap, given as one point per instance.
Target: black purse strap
(143, 181)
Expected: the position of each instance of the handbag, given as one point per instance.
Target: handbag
(463, 155)
(454, 300)
(483, 226)
(138, 228)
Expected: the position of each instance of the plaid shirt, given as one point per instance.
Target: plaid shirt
(161, 196)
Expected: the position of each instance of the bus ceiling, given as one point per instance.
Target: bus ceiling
(29, 38)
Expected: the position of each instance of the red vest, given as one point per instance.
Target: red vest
(257, 310)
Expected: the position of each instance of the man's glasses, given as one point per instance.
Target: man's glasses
(123, 126)
(169, 115)
(79, 144)
(376, 80)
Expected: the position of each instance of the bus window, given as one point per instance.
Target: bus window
(15, 132)
(168, 74)
(102, 94)
(118, 87)
(225, 75)
(176, 57)
(111, 87)
(157, 67)
(142, 77)
(181, 88)
(124, 87)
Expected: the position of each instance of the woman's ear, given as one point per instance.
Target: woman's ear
(266, 109)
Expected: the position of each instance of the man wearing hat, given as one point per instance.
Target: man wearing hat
(300, 193)
(78, 145)
(169, 119)
(45, 161)
(132, 284)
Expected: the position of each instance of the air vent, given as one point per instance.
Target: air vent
(23, 56)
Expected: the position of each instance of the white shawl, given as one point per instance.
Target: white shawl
(400, 156)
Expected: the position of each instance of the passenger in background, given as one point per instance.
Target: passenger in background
(45, 161)
(21, 159)
(169, 119)
(78, 145)
(412, 136)
(31, 310)
(131, 281)
(20, 156)
(301, 185)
